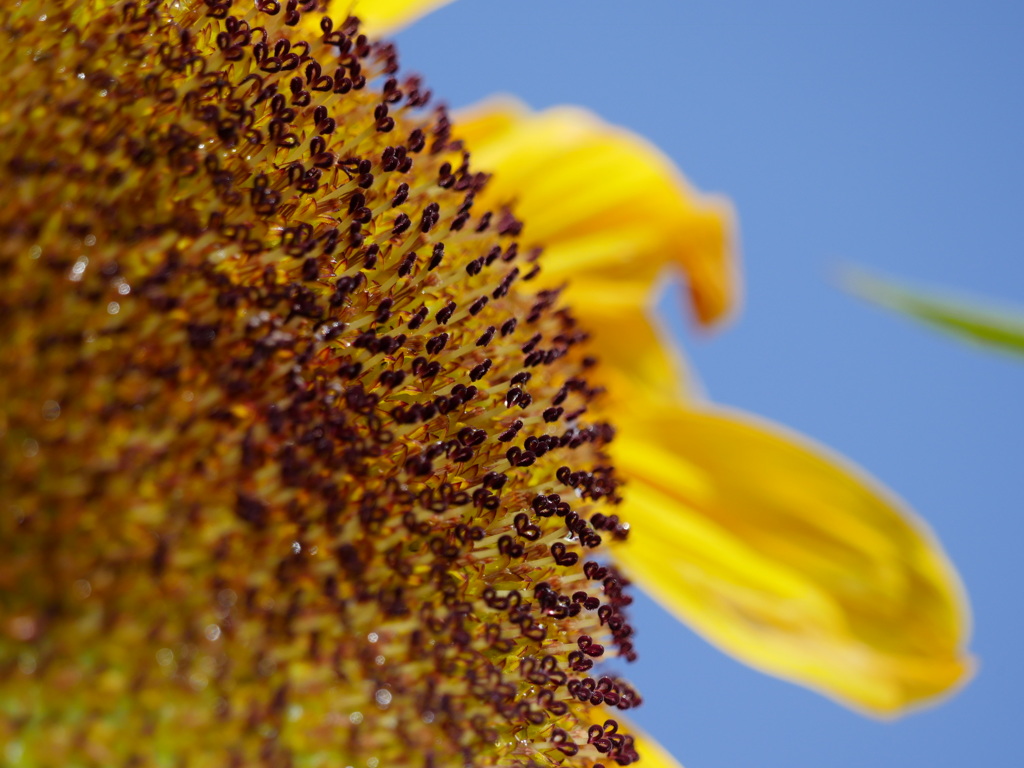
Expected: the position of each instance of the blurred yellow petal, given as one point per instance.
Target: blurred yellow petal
(788, 559)
(605, 204)
(634, 351)
(385, 17)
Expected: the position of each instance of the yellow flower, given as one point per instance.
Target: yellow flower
(300, 463)
(306, 462)
(379, 17)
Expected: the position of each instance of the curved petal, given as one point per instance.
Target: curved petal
(384, 17)
(788, 559)
(605, 204)
(635, 353)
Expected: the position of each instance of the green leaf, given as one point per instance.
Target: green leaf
(977, 321)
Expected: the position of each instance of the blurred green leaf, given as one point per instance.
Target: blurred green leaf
(975, 320)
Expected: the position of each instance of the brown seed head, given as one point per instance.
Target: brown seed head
(296, 466)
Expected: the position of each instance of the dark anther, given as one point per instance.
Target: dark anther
(486, 337)
(384, 310)
(552, 414)
(528, 668)
(402, 223)
(391, 379)
(445, 314)
(533, 359)
(564, 743)
(417, 318)
(508, 434)
(478, 305)
(461, 454)
(510, 548)
(529, 346)
(579, 663)
(437, 255)
(495, 480)
(405, 268)
(459, 222)
(401, 195)
(542, 505)
(416, 141)
(480, 371)
(419, 465)
(596, 572)
(437, 343)
(506, 283)
(492, 254)
(508, 326)
(589, 647)
(470, 436)
(525, 528)
(533, 632)
(310, 269)
(356, 202)
(562, 556)
(332, 330)
(521, 378)
(445, 179)
(508, 224)
(431, 215)
(484, 499)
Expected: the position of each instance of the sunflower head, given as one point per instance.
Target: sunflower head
(297, 463)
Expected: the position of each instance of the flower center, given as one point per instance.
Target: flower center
(298, 465)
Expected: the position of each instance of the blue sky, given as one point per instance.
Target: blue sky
(881, 134)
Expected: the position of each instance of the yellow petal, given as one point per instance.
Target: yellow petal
(633, 351)
(789, 559)
(385, 17)
(604, 203)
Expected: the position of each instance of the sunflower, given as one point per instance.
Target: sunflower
(307, 451)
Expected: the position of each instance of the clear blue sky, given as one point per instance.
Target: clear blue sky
(878, 133)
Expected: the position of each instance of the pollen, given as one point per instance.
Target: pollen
(297, 463)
